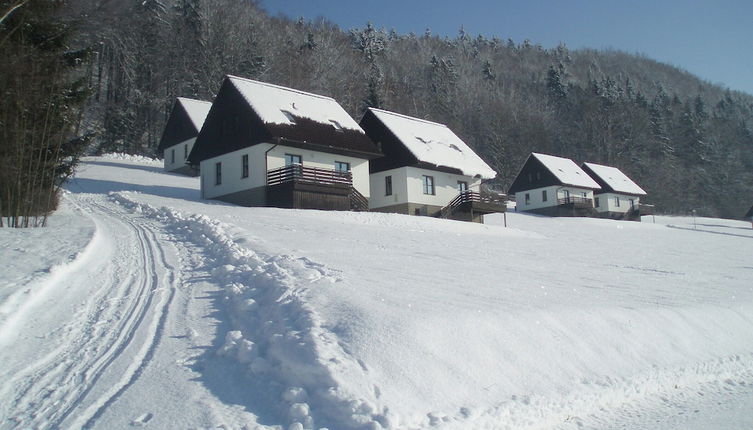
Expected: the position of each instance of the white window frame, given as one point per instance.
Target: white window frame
(428, 185)
(290, 160)
(340, 164)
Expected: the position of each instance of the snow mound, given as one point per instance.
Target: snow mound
(277, 335)
(133, 158)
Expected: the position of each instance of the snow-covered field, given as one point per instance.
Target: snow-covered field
(142, 305)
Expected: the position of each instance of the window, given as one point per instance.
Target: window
(291, 159)
(342, 167)
(388, 185)
(528, 199)
(244, 166)
(538, 176)
(543, 195)
(217, 173)
(596, 202)
(530, 178)
(632, 204)
(417, 212)
(172, 156)
(462, 186)
(585, 195)
(428, 184)
(185, 151)
(288, 115)
(617, 201)
(566, 195)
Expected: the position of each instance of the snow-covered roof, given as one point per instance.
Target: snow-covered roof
(197, 110)
(615, 179)
(280, 105)
(566, 171)
(434, 143)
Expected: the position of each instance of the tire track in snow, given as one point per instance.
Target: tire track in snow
(89, 350)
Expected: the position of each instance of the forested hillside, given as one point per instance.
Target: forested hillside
(687, 142)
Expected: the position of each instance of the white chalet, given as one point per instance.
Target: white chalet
(426, 169)
(619, 197)
(267, 145)
(553, 186)
(183, 125)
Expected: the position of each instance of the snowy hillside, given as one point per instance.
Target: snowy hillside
(142, 305)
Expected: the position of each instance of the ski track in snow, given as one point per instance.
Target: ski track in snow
(113, 332)
(277, 337)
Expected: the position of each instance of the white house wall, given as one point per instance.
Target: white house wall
(231, 172)
(257, 176)
(607, 202)
(181, 151)
(399, 195)
(553, 193)
(407, 187)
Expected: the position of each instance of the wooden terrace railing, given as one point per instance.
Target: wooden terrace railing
(299, 173)
(473, 197)
(579, 201)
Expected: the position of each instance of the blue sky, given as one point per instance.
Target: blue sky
(711, 39)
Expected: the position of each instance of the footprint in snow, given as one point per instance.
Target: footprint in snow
(142, 420)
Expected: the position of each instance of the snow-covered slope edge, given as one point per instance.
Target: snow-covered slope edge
(277, 335)
(551, 374)
(16, 304)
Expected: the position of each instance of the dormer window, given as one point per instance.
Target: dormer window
(288, 115)
(336, 124)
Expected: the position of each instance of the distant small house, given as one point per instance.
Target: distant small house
(180, 133)
(619, 197)
(267, 145)
(554, 186)
(426, 169)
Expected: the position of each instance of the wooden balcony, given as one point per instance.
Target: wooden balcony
(300, 187)
(576, 202)
(473, 204)
(645, 209)
(299, 173)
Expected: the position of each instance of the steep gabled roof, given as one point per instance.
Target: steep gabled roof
(612, 179)
(566, 171)
(184, 122)
(247, 112)
(280, 105)
(197, 110)
(433, 144)
(557, 171)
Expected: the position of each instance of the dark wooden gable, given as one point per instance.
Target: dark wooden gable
(179, 128)
(533, 175)
(396, 154)
(230, 125)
